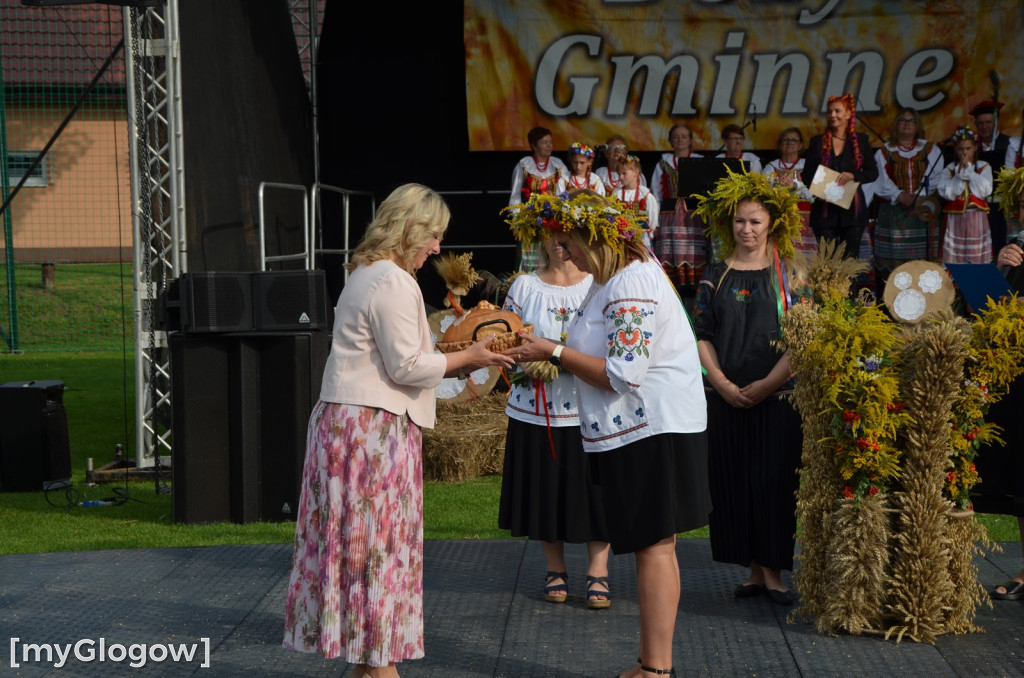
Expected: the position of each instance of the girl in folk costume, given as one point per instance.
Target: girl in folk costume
(633, 196)
(964, 185)
(785, 171)
(581, 160)
(843, 149)
(536, 173)
(909, 168)
(681, 246)
(614, 149)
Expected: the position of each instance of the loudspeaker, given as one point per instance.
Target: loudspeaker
(34, 447)
(207, 302)
(289, 300)
(241, 405)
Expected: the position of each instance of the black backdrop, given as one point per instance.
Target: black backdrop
(392, 109)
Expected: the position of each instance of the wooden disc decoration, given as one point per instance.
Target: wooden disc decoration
(918, 289)
(453, 389)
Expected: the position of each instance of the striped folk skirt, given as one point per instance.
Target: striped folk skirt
(967, 238)
(681, 247)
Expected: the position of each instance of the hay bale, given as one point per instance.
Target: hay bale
(468, 441)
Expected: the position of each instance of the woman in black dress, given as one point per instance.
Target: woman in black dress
(844, 150)
(754, 434)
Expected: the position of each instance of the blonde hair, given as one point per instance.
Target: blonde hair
(404, 224)
(603, 260)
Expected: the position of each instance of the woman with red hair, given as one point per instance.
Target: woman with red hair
(844, 150)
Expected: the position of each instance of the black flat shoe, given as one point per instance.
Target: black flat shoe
(781, 597)
(748, 590)
(1014, 590)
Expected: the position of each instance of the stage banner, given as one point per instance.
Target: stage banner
(587, 69)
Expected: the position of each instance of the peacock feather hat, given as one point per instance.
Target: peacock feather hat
(718, 206)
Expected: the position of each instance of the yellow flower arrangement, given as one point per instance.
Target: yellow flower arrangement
(1009, 187)
(996, 359)
(604, 218)
(855, 347)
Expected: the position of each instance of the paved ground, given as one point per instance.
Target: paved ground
(484, 617)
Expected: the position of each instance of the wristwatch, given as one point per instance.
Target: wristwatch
(556, 358)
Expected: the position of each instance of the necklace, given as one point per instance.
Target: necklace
(544, 167)
(613, 181)
(906, 148)
(586, 181)
(788, 166)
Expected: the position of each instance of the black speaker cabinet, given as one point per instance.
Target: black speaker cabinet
(207, 302)
(289, 300)
(34, 447)
(241, 404)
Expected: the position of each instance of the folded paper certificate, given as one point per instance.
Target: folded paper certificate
(824, 186)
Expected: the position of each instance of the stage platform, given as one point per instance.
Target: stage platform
(485, 616)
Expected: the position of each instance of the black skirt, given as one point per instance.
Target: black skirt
(549, 497)
(654, 488)
(754, 457)
(1001, 467)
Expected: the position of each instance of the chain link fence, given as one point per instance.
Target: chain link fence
(66, 251)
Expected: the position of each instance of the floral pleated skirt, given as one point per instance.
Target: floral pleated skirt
(356, 588)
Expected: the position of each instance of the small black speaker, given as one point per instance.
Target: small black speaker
(207, 302)
(34, 448)
(289, 300)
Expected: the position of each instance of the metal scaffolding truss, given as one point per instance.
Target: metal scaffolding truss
(158, 209)
(158, 195)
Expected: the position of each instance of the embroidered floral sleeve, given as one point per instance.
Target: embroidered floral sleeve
(631, 324)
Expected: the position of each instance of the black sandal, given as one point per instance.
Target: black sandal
(556, 593)
(660, 672)
(594, 602)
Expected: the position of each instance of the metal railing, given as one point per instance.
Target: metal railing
(304, 255)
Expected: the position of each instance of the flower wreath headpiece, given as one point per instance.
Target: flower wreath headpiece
(964, 133)
(1009, 185)
(581, 149)
(719, 205)
(603, 218)
(629, 158)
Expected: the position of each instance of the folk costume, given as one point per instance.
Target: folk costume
(964, 191)
(681, 246)
(902, 235)
(546, 489)
(641, 201)
(612, 180)
(572, 182)
(778, 168)
(528, 178)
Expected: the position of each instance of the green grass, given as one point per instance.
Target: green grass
(88, 308)
(99, 397)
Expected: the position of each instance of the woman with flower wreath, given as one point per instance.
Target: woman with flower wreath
(1001, 467)
(581, 175)
(642, 408)
(754, 434)
(848, 152)
(538, 172)
(546, 491)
